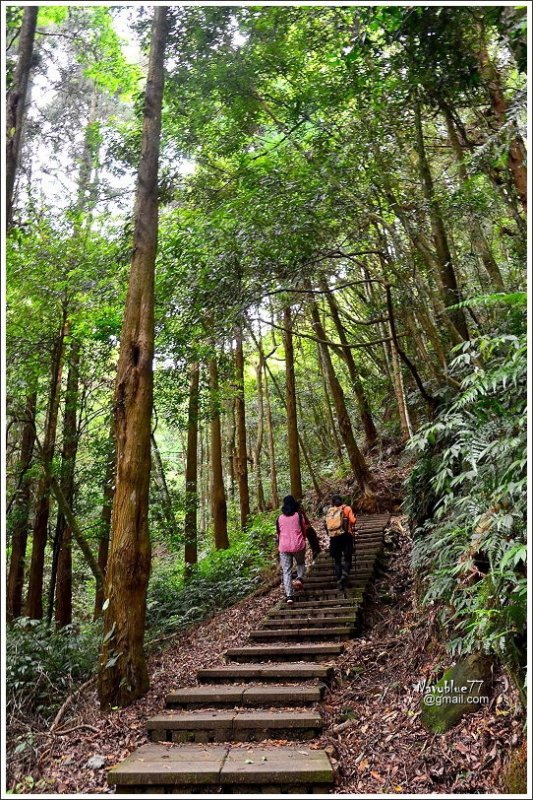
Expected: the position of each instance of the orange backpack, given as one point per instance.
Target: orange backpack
(335, 520)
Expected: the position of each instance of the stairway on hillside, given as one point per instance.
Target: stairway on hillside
(270, 690)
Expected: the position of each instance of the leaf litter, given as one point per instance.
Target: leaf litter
(383, 749)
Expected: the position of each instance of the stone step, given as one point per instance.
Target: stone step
(361, 558)
(312, 611)
(357, 571)
(330, 632)
(276, 671)
(314, 594)
(327, 569)
(320, 577)
(358, 576)
(306, 622)
(233, 726)
(306, 652)
(363, 553)
(243, 695)
(319, 603)
(312, 580)
(366, 548)
(331, 585)
(166, 769)
(360, 538)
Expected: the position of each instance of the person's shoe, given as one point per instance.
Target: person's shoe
(340, 585)
(298, 584)
(290, 601)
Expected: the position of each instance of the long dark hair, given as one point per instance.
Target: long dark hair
(290, 506)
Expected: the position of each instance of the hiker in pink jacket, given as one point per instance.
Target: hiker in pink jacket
(291, 526)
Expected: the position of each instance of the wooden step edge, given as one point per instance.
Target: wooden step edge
(163, 769)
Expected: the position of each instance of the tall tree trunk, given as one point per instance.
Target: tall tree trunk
(231, 454)
(283, 400)
(303, 448)
(34, 599)
(261, 505)
(164, 491)
(108, 491)
(191, 472)
(202, 460)
(451, 291)
(123, 676)
(240, 411)
(327, 396)
(21, 512)
(356, 458)
(219, 510)
(16, 104)
(371, 434)
(517, 151)
(62, 552)
(478, 237)
(205, 469)
(274, 496)
(292, 414)
(397, 382)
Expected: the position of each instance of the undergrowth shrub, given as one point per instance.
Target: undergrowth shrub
(467, 496)
(43, 665)
(218, 581)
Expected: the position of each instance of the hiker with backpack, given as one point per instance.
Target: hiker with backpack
(291, 529)
(340, 526)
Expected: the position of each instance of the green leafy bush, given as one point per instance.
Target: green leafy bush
(218, 581)
(43, 665)
(467, 495)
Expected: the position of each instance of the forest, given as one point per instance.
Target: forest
(251, 251)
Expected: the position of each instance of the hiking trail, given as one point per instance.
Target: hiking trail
(198, 744)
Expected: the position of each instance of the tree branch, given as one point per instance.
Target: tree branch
(326, 341)
(432, 401)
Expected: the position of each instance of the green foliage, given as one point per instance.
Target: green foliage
(51, 15)
(467, 495)
(220, 579)
(107, 66)
(42, 664)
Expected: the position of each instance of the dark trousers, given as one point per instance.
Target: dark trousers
(341, 551)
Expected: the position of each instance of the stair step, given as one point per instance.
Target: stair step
(294, 652)
(164, 769)
(328, 565)
(243, 695)
(302, 633)
(363, 563)
(231, 726)
(307, 622)
(314, 593)
(361, 538)
(312, 612)
(358, 575)
(331, 585)
(327, 569)
(319, 603)
(278, 671)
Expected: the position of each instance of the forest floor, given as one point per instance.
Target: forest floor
(372, 729)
